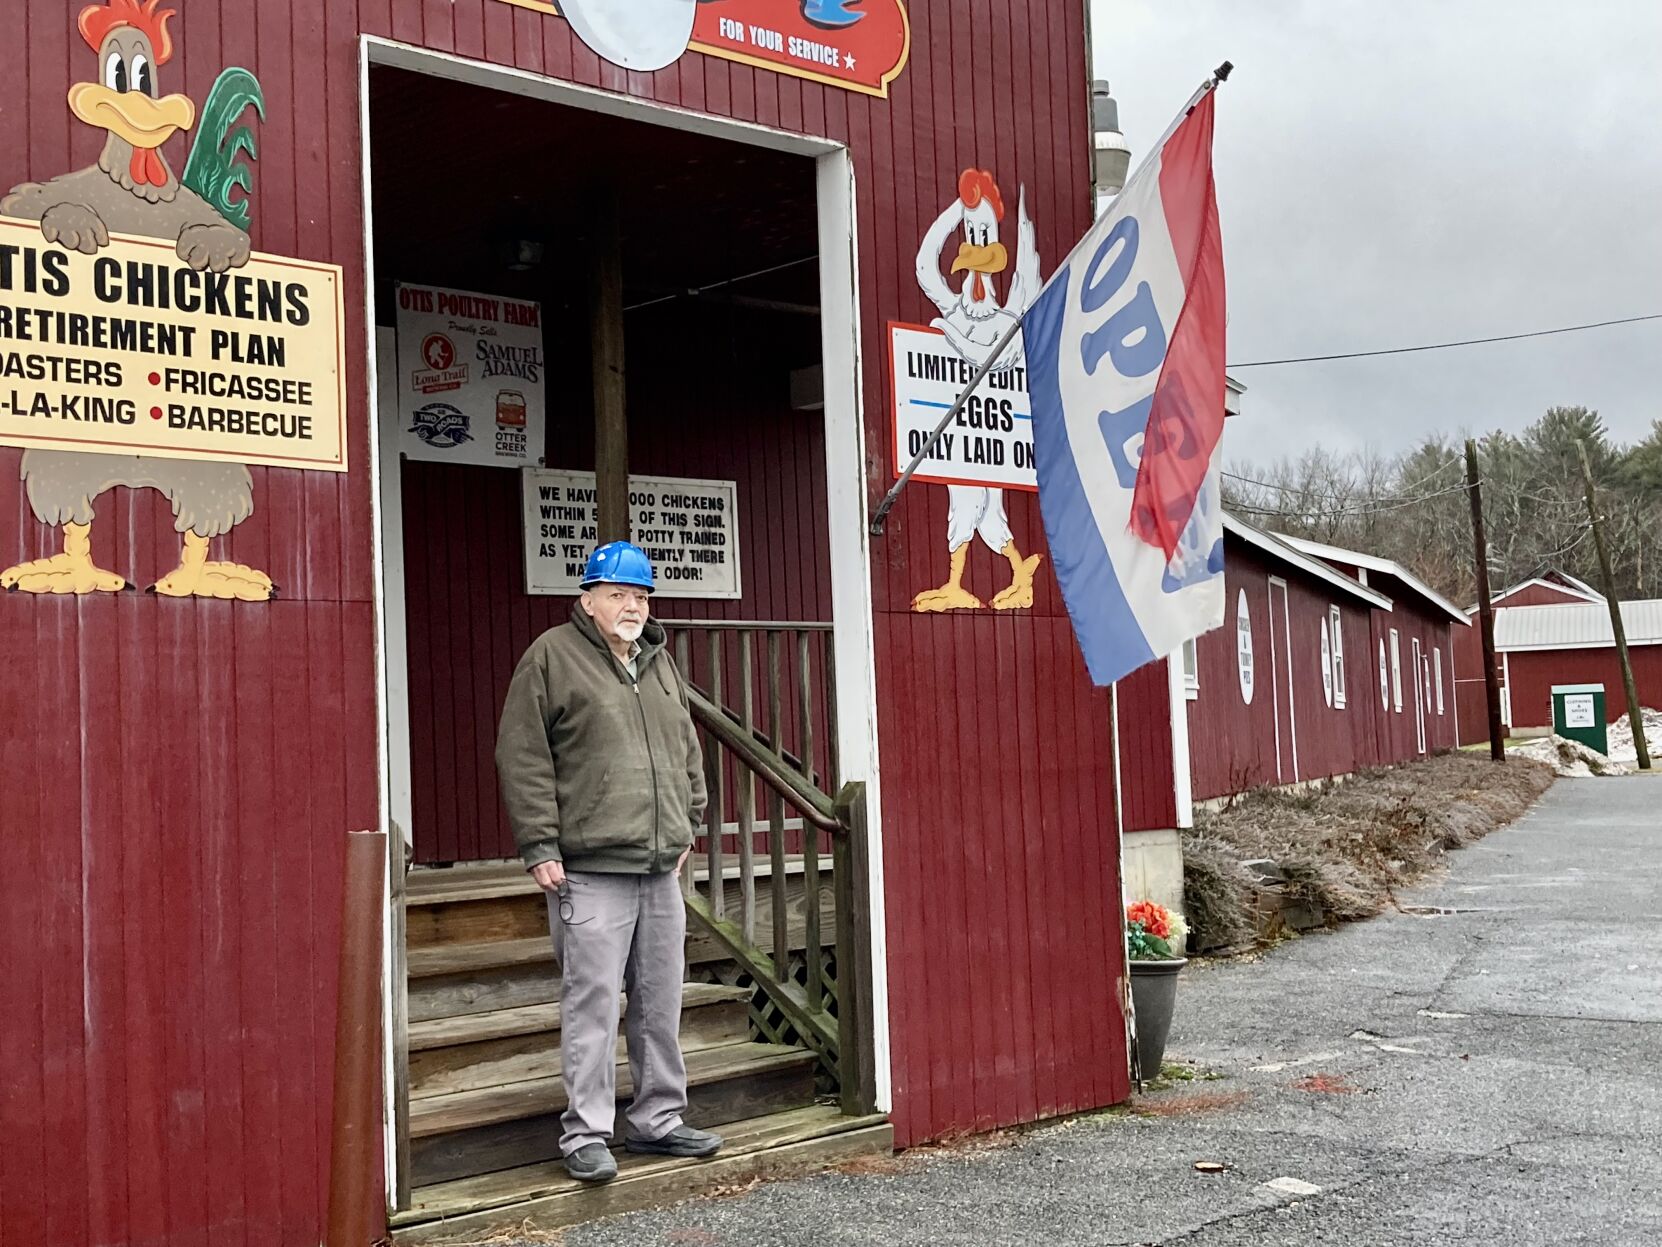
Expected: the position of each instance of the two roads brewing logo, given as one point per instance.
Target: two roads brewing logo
(440, 425)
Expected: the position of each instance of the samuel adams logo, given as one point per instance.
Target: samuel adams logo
(441, 426)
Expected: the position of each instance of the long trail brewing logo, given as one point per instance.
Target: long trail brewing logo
(441, 425)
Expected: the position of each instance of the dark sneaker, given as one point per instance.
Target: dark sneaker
(591, 1163)
(682, 1141)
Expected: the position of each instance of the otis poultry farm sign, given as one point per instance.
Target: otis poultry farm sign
(133, 351)
(858, 45)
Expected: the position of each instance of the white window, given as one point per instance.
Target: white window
(1327, 666)
(1191, 669)
(1335, 619)
(1437, 659)
(1396, 672)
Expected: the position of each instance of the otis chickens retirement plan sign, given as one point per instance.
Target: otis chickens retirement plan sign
(471, 378)
(132, 351)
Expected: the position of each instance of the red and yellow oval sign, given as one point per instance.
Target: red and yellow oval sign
(858, 45)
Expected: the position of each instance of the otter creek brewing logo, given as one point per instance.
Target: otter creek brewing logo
(441, 426)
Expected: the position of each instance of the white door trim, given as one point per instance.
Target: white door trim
(851, 593)
(1276, 582)
(1177, 694)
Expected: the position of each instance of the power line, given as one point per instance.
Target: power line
(1322, 493)
(1345, 512)
(1443, 346)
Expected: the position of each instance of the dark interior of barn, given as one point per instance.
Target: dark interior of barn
(480, 190)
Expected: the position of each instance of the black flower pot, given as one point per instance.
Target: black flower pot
(1153, 995)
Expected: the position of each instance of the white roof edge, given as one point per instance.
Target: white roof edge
(1278, 547)
(1376, 564)
(1575, 588)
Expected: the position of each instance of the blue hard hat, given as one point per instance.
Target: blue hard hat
(619, 563)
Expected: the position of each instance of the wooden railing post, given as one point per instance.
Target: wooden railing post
(747, 792)
(856, 1062)
(355, 1190)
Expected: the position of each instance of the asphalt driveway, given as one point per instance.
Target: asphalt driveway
(1484, 1068)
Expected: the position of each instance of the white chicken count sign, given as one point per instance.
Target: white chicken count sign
(688, 528)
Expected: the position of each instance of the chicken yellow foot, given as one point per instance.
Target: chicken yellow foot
(73, 571)
(952, 596)
(1019, 594)
(197, 577)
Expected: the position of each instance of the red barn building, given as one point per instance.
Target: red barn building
(346, 327)
(1283, 692)
(1572, 643)
(1471, 699)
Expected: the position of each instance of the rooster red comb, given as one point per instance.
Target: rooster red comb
(974, 185)
(97, 20)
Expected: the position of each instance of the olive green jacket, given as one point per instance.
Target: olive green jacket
(599, 770)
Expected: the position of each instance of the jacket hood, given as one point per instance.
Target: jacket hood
(652, 642)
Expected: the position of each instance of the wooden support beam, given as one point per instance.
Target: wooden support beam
(611, 427)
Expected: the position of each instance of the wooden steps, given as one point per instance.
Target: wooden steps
(485, 1093)
(785, 1144)
(513, 1045)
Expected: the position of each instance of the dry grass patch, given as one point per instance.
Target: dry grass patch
(1347, 847)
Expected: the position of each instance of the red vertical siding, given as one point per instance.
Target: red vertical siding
(1540, 595)
(1148, 799)
(1535, 672)
(1232, 745)
(186, 770)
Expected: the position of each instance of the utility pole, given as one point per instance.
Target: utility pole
(1485, 609)
(1635, 715)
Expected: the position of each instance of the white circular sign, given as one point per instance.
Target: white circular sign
(1384, 678)
(1327, 665)
(1243, 645)
(642, 35)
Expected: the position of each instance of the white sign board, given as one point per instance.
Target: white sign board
(689, 529)
(990, 442)
(471, 378)
(1243, 646)
(1578, 710)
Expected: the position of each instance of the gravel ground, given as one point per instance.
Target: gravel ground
(1480, 1068)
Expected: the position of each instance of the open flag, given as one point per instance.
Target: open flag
(1125, 351)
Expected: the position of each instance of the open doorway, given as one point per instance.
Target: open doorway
(738, 387)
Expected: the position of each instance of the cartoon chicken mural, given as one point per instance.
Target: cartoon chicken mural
(133, 189)
(974, 319)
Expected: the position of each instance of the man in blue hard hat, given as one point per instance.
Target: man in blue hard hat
(604, 782)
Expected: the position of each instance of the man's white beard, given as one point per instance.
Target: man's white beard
(629, 630)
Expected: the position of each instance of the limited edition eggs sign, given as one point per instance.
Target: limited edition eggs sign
(471, 378)
(689, 529)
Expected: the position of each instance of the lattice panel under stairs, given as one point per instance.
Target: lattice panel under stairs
(768, 1024)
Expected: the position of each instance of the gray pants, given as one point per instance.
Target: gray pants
(620, 932)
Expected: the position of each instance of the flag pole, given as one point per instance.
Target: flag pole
(880, 517)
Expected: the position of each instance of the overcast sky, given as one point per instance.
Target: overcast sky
(1418, 171)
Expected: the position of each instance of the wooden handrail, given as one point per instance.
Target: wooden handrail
(774, 771)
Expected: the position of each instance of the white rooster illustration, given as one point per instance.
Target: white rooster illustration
(974, 320)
